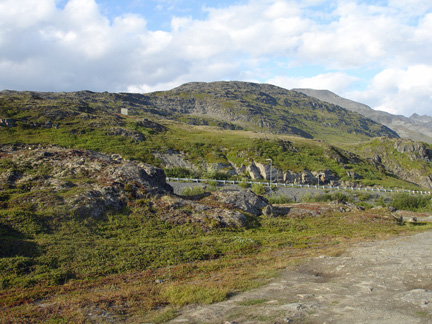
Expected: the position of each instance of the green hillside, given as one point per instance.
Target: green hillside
(90, 232)
(222, 125)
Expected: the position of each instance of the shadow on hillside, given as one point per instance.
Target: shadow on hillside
(14, 243)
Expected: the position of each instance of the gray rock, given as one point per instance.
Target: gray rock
(152, 179)
(100, 182)
(254, 171)
(152, 125)
(134, 135)
(268, 211)
(245, 200)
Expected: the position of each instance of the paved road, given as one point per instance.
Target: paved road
(375, 282)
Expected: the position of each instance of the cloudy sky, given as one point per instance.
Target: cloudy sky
(375, 52)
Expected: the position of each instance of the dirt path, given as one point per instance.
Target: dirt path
(377, 282)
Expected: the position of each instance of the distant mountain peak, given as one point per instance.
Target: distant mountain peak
(416, 128)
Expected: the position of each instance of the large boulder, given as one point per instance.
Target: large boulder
(180, 211)
(140, 175)
(245, 200)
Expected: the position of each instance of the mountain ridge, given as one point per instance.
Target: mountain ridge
(231, 104)
(266, 107)
(416, 128)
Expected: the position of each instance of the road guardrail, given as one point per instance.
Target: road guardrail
(299, 185)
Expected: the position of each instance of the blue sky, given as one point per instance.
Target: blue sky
(375, 52)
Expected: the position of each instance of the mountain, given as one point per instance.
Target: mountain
(231, 105)
(264, 107)
(416, 128)
(220, 129)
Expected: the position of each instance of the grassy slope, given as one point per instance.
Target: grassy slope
(207, 144)
(73, 268)
(55, 269)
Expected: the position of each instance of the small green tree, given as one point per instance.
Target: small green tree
(259, 189)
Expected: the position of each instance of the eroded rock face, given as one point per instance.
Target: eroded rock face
(416, 150)
(245, 200)
(180, 211)
(84, 183)
(175, 159)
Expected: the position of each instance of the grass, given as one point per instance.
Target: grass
(56, 267)
(139, 268)
(252, 302)
(192, 191)
(279, 199)
(334, 196)
(204, 145)
(417, 203)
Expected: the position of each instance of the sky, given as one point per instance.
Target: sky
(375, 52)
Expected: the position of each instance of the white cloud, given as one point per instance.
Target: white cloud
(400, 91)
(24, 13)
(336, 82)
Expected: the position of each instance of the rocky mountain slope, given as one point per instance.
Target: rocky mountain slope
(416, 128)
(231, 105)
(90, 231)
(219, 129)
(263, 107)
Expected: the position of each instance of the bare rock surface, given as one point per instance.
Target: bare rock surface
(99, 182)
(374, 282)
(245, 200)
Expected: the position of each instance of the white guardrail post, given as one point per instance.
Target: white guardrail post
(292, 185)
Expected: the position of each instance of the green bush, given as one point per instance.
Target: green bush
(180, 173)
(339, 196)
(244, 184)
(259, 188)
(192, 191)
(381, 201)
(216, 175)
(405, 201)
(364, 196)
(279, 200)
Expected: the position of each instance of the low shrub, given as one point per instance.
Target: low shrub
(183, 294)
(280, 200)
(405, 201)
(259, 189)
(192, 191)
(244, 184)
(339, 196)
(180, 173)
(216, 175)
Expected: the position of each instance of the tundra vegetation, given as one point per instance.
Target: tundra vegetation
(132, 263)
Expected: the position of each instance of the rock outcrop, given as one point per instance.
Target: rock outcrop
(245, 200)
(84, 184)
(80, 182)
(133, 135)
(180, 211)
(415, 150)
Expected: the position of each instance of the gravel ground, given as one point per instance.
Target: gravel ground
(374, 282)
